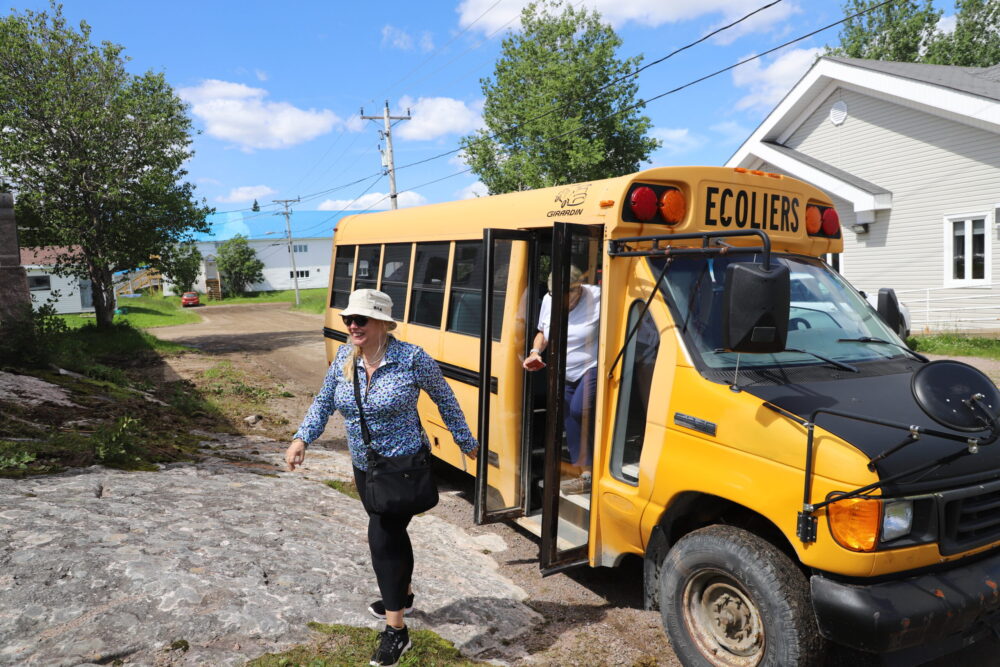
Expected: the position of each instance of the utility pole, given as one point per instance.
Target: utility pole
(387, 155)
(288, 238)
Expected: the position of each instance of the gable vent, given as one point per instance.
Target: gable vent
(838, 112)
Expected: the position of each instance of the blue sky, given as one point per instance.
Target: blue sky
(276, 88)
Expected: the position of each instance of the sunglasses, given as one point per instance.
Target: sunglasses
(360, 320)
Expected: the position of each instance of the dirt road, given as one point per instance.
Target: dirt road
(593, 616)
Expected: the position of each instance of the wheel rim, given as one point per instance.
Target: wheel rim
(723, 620)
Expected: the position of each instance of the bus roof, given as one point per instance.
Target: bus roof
(594, 202)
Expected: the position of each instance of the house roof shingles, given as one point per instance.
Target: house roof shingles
(45, 255)
(981, 81)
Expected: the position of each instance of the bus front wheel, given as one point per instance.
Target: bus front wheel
(731, 599)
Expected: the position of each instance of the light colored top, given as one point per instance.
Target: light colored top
(581, 332)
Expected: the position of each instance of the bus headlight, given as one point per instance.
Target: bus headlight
(897, 519)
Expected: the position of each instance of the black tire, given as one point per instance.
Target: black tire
(731, 599)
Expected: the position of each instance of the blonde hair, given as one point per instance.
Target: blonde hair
(575, 277)
(352, 357)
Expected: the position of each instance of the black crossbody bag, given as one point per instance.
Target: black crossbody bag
(395, 484)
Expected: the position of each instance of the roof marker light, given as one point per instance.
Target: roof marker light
(673, 206)
(831, 222)
(643, 203)
(814, 219)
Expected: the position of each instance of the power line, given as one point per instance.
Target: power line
(612, 82)
(642, 102)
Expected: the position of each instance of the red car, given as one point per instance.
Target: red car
(190, 299)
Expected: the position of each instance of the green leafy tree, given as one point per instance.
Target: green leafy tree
(562, 62)
(238, 265)
(181, 264)
(900, 31)
(976, 39)
(93, 152)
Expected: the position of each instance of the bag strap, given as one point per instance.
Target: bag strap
(365, 433)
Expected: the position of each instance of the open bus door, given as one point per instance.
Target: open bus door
(509, 268)
(565, 516)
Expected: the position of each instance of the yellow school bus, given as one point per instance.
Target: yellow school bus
(791, 473)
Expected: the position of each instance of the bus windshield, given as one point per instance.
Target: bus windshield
(827, 316)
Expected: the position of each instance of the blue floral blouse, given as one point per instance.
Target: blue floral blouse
(390, 403)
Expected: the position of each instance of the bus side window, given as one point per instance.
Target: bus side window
(368, 256)
(430, 268)
(465, 309)
(343, 275)
(633, 399)
(396, 276)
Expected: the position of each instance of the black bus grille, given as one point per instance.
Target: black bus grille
(970, 521)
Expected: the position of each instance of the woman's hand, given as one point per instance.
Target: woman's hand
(473, 454)
(533, 362)
(295, 454)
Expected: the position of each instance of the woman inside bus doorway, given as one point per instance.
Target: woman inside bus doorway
(581, 370)
(392, 373)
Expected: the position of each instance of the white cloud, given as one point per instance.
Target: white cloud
(946, 24)
(426, 42)
(208, 181)
(377, 201)
(457, 160)
(648, 13)
(435, 117)
(472, 190)
(731, 131)
(246, 193)
(768, 84)
(260, 74)
(238, 113)
(396, 38)
(677, 140)
(771, 19)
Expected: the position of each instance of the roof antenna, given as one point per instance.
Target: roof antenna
(735, 386)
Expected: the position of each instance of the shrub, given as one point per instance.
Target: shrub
(32, 338)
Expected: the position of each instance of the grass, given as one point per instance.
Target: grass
(347, 488)
(343, 645)
(313, 300)
(956, 345)
(146, 311)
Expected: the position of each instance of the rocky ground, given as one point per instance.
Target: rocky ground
(218, 561)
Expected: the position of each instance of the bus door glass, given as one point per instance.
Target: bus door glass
(500, 483)
(571, 329)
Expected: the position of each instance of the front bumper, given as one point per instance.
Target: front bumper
(924, 609)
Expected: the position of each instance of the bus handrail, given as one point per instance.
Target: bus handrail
(619, 247)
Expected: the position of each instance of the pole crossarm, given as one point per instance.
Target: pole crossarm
(387, 134)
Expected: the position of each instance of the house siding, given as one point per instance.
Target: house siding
(277, 265)
(67, 288)
(935, 168)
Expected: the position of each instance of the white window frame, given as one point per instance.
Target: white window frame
(988, 226)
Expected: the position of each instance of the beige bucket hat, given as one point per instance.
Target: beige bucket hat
(371, 303)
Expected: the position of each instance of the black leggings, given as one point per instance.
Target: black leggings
(392, 553)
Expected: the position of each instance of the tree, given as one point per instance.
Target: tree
(899, 31)
(238, 265)
(976, 39)
(181, 264)
(94, 153)
(560, 107)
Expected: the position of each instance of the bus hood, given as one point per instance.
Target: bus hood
(887, 398)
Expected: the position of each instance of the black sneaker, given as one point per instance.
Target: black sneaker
(392, 644)
(377, 608)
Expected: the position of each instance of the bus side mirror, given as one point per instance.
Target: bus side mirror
(889, 310)
(755, 308)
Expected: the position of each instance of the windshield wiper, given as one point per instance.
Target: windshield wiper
(838, 364)
(870, 339)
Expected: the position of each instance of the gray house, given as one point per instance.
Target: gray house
(911, 155)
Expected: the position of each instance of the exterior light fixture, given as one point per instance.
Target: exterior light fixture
(860, 228)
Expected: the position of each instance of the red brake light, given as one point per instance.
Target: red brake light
(673, 206)
(643, 203)
(831, 222)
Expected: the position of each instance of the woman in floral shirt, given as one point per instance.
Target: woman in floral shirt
(392, 373)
